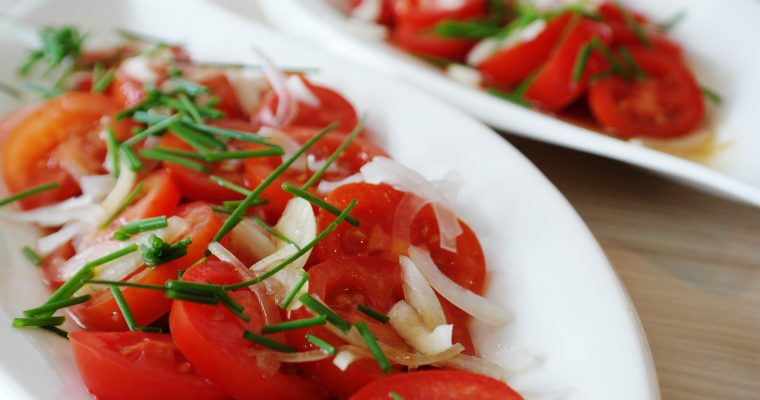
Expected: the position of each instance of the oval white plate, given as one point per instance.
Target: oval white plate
(569, 307)
(717, 38)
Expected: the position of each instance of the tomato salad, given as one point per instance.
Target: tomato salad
(601, 65)
(219, 231)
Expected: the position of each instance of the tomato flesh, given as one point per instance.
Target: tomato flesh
(438, 385)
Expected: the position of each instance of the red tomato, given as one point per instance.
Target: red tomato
(219, 86)
(102, 312)
(58, 137)
(623, 35)
(423, 41)
(377, 210)
(211, 337)
(666, 104)
(343, 283)
(359, 152)
(438, 385)
(333, 107)
(136, 365)
(506, 68)
(553, 87)
(127, 91)
(425, 13)
(53, 262)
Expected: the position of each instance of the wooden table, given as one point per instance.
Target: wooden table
(690, 261)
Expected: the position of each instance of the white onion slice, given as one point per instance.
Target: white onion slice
(419, 295)
(487, 47)
(473, 304)
(78, 208)
(476, 364)
(410, 327)
(368, 10)
(48, 244)
(464, 74)
(297, 357)
(124, 184)
(249, 87)
(250, 237)
(288, 144)
(140, 69)
(285, 103)
(225, 255)
(325, 187)
(300, 92)
(344, 358)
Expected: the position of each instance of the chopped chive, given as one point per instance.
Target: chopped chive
(199, 262)
(510, 97)
(318, 308)
(294, 291)
(142, 225)
(104, 81)
(127, 284)
(181, 153)
(466, 29)
(134, 162)
(395, 396)
(230, 134)
(322, 344)
(31, 255)
(155, 154)
(160, 252)
(58, 331)
(299, 253)
(199, 140)
(239, 212)
(129, 318)
(274, 232)
(581, 61)
(267, 342)
(123, 205)
(23, 322)
(221, 209)
(711, 95)
(151, 99)
(112, 146)
(28, 192)
(671, 22)
(633, 25)
(334, 156)
(10, 90)
(607, 53)
(640, 74)
(192, 298)
(373, 313)
(242, 154)
(232, 305)
(206, 289)
(55, 306)
(155, 128)
(189, 87)
(190, 107)
(230, 185)
(371, 342)
(317, 201)
(295, 324)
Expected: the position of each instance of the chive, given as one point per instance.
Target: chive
(466, 29)
(55, 306)
(123, 205)
(318, 308)
(640, 74)
(711, 95)
(23, 322)
(633, 25)
(134, 162)
(155, 154)
(31, 255)
(299, 253)
(230, 185)
(232, 305)
(294, 291)
(192, 298)
(395, 396)
(181, 153)
(221, 209)
(10, 90)
(129, 318)
(190, 107)
(155, 128)
(237, 215)
(581, 61)
(161, 252)
(317, 202)
(199, 140)
(242, 154)
(382, 361)
(28, 192)
(511, 97)
(189, 87)
(206, 289)
(274, 232)
(322, 344)
(58, 331)
(112, 146)
(607, 53)
(295, 324)
(151, 99)
(373, 313)
(143, 225)
(334, 156)
(199, 262)
(127, 284)
(232, 204)
(671, 22)
(230, 134)
(267, 342)
(104, 81)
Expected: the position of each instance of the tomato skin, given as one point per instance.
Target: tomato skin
(332, 107)
(553, 87)
(102, 313)
(61, 130)
(219, 86)
(438, 385)
(136, 365)
(127, 91)
(377, 209)
(423, 13)
(211, 337)
(343, 283)
(506, 68)
(625, 36)
(666, 104)
(424, 42)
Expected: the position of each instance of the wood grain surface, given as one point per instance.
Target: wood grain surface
(690, 261)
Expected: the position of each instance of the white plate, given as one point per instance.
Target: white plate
(569, 306)
(717, 36)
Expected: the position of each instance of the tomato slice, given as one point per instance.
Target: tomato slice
(102, 312)
(425, 13)
(553, 88)
(127, 91)
(666, 104)
(623, 35)
(438, 385)
(332, 107)
(377, 210)
(219, 86)
(343, 283)
(211, 337)
(506, 68)
(136, 365)
(424, 42)
(54, 140)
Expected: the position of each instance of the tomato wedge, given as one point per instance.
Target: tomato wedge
(438, 385)
(666, 104)
(211, 337)
(58, 137)
(219, 86)
(623, 35)
(423, 41)
(126, 90)
(425, 13)
(136, 365)
(102, 312)
(343, 283)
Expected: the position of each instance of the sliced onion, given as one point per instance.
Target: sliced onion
(48, 244)
(472, 303)
(249, 86)
(288, 144)
(297, 357)
(484, 49)
(139, 68)
(225, 255)
(300, 92)
(475, 364)
(74, 209)
(463, 74)
(286, 105)
(408, 324)
(344, 358)
(368, 10)
(410, 360)
(419, 295)
(250, 237)
(120, 190)
(328, 186)
(96, 187)
(513, 360)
